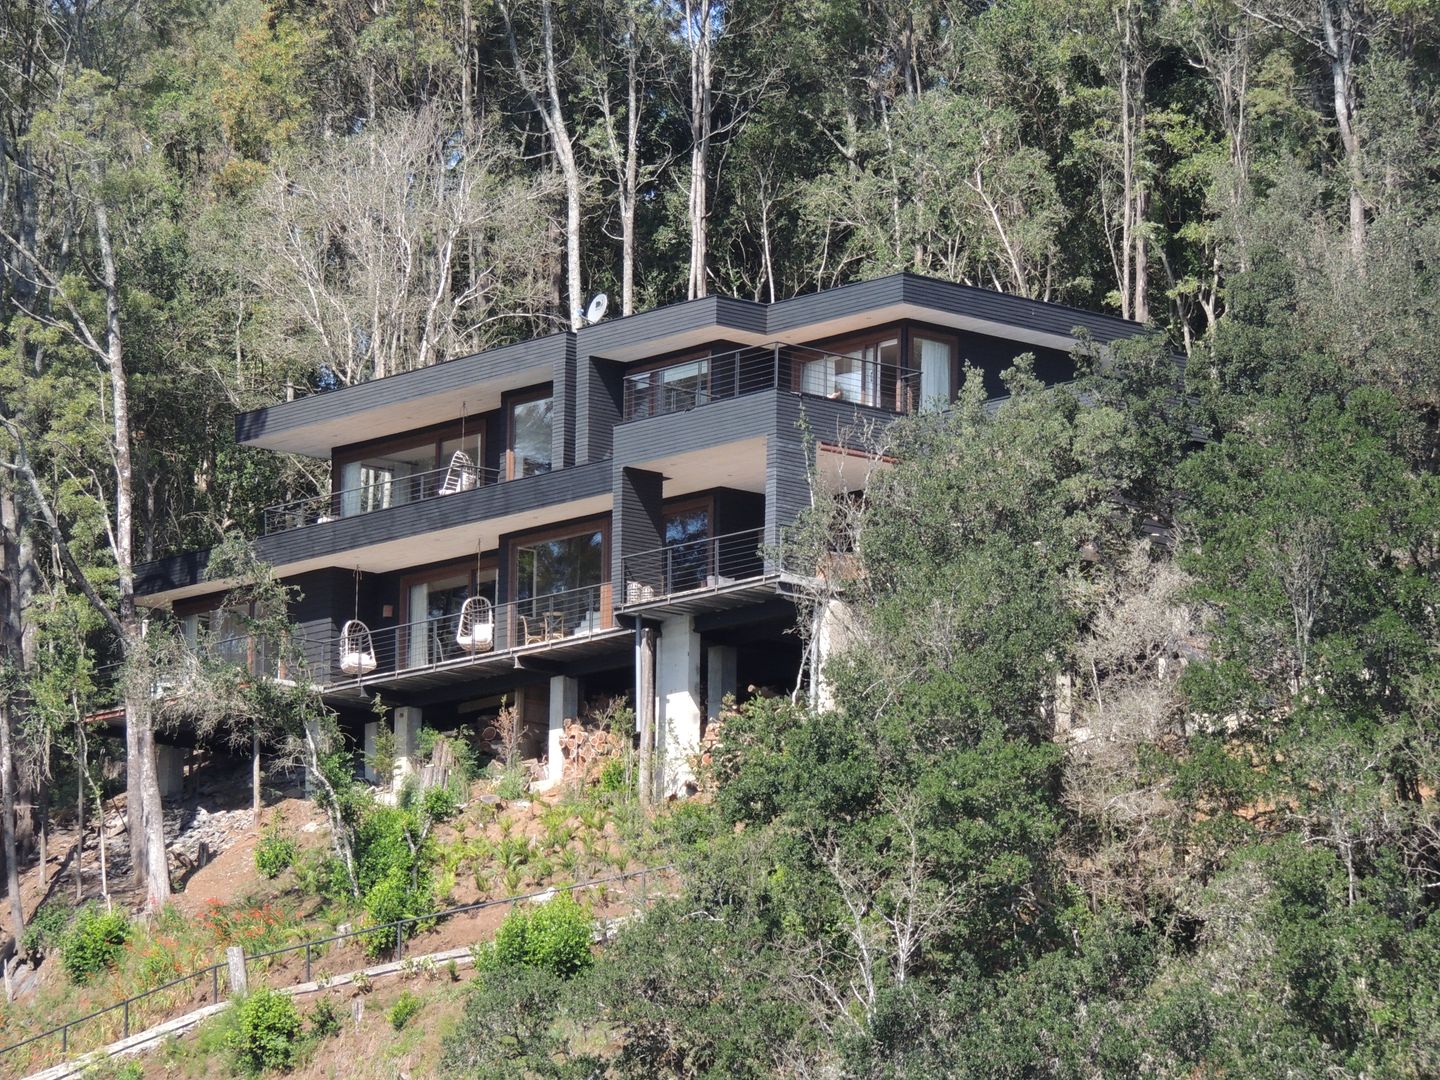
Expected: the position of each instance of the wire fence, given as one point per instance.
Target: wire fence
(130, 1012)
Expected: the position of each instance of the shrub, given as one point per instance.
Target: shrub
(325, 1018)
(275, 853)
(440, 803)
(46, 929)
(510, 782)
(612, 775)
(554, 937)
(93, 942)
(392, 899)
(266, 1032)
(404, 1010)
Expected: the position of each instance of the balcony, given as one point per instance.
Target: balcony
(431, 652)
(689, 384)
(379, 495)
(709, 574)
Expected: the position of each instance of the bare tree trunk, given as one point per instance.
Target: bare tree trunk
(646, 709)
(147, 826)
(81, 774)
(255, 777)
(700, 37)
(11, 657)
(1338, 23)
(548, 104)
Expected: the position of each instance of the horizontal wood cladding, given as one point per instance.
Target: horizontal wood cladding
(715, 424)
(718, 313)
(334, 538)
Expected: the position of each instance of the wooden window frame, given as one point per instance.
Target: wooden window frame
(508, 400)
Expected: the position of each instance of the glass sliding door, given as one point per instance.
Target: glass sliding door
(852, 375)
(434, 610)
(547, 576)
(531, 427)
(688, 562)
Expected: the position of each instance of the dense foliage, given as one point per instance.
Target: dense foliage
(1130, 768)
(266, 1032)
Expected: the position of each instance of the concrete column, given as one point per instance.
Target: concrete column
(170, 769)
(677, 685)
(372, 736)
(407, 736)
(564, 705)
(721, 663)
(833, 631)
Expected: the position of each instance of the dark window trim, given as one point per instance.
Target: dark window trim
(683, 504)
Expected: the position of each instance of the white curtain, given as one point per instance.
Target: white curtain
(935, 389)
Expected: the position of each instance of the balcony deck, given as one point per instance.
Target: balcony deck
(716, 573)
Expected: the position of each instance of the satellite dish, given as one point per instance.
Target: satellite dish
(596, 310)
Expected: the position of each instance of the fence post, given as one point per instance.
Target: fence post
(215, 984)
(239, 982)
(65, 1039)
(127, 1019)
(307, 961)
(399, 942)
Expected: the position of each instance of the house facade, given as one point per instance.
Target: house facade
(594, 513)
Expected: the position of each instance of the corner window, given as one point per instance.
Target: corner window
(934, 359)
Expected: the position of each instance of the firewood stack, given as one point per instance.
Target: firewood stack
(585, 749)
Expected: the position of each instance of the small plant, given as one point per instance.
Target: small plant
(452, 969)
(93, 943)
(612, 776)
(266, 1033)
(511, 783)
(275, 853)
(325, 1018)
(404, 1010)
(46, 929)
(362, 982)
(439, 804)
(382, 759)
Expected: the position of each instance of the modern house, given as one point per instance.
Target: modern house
(591, 513)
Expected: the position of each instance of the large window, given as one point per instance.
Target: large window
(852, 374)
(433, 607)
(688, 556)
(933, 357)
(403, 472)
(674, 388)
(531, 425)
(548, 574)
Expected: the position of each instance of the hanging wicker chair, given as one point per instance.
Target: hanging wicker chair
(476, 630)
(460, 476)
(357, 651)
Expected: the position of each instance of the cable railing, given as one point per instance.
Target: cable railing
(688, 384)
(437, 642)
(713, 562)
(376, 495)
(207, 981)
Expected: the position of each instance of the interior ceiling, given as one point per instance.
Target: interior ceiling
(739, 465)
(316, 440)
(459, 542)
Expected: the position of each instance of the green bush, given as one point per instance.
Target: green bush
(275, 853)
(325, 1018)
(93, 943)
(440, 804)
(266, 1032)
(612, 775)
(554, 937)
(46, 929)
(392, 899)
(404, 1010)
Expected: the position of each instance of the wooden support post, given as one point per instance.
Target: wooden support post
(239, 983)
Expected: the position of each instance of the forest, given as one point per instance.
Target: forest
(1133, 763)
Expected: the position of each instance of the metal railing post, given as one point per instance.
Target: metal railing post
(399, 942)
(775, 374)
(307, 961)
(215, 984)
(127, 1019)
